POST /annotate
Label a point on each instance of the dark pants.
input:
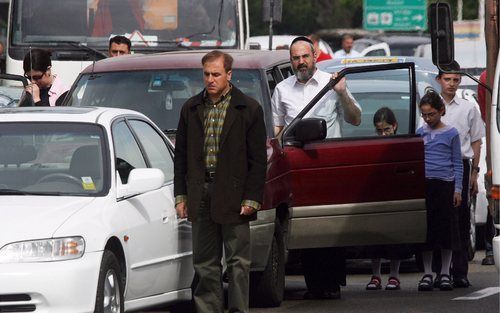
(460, 259)
(489, 233)
(209, 238)
(324, 268)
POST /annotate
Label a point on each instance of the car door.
(358, 188)
(176, 240)
(146, 246)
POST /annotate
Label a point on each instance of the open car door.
(12, 91)
(350, 186)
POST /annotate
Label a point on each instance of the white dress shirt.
(466, 118)
(340, 54)
(291, 97)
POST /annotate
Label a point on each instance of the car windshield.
(157, 94)
(51, 159)
(150, 24)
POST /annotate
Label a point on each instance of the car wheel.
(267, 288)
(471, 246)
(109, 298)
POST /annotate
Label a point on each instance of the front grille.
(17, 308)
(15, 297)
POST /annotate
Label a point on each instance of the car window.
(50, 157)
(155, 148)
(378, 52)
(372, 91)
(271, 81)
(158, 94)
(127, 152)
(286, 71)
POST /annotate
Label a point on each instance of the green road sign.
(395, 14)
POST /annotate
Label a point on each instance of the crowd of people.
(220, 209)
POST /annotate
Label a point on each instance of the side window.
(155, 148)
(384, 90)
(127, 152)
(286, 71)
(271, 81)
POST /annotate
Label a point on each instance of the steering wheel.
(60, 177)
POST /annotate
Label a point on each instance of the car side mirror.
(441, 29)
(309, 129)
(140, 180)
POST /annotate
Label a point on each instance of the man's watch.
(476, 168)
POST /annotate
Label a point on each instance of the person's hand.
(473, 183)
(457, 199)
(34, 91)
(247, 210)
(181, 210)
(340, 87)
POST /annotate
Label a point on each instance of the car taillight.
(495, 197)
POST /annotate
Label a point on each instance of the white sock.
(427, 259)
(395, 268)
(445, 261)
(376, 265)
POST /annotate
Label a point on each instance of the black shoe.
(426, 283)
(461, 282)
(488, 260)
(332, 295)
(322, 295)
(445, 282)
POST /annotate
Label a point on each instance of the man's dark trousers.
(209, 238)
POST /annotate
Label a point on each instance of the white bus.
(78, 31)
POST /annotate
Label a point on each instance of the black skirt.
(442, 216)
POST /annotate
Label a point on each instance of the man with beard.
(324, 268)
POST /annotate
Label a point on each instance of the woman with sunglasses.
(46, 88)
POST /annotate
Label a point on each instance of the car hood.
(35, 217)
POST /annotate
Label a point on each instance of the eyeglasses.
(428, 115)
(34, 77)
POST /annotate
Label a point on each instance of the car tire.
(267, 288)
(109, 298)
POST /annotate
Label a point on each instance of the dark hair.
(452, 67)
(38, 60)
(345, 36)
(120, 40)
(384, 114)
(216, 54)
(433, 99)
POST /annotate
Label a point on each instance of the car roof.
(421, 64)
(243, 59)
(97, 115)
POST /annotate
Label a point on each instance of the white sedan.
(88, 222)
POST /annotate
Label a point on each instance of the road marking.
(483, 293)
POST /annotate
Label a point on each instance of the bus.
(78, 31)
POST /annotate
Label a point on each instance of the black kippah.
(301, 38)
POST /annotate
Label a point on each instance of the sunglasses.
(36, 77)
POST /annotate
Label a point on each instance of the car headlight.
(43, 250)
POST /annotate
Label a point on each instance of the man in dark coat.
(220, 170)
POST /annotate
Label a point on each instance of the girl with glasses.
(443, 184)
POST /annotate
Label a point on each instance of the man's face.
(215, 77)
(302, 59)
(347, 44)
(118, 49)
(449, 83)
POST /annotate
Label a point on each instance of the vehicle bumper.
(55, 287)
(496, 251)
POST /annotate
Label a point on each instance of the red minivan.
(355, 190)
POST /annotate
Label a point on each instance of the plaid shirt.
(214, 116)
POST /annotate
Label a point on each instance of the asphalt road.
(482, 297)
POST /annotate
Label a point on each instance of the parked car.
(11, 90)
(387, 45)
(368, 94)
(357, 190)
(262, 43)
(88, 217)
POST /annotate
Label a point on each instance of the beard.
(303, 76)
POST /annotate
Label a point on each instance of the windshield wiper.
(75, 44)
(15, 192)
